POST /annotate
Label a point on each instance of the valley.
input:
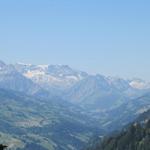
(55, 107)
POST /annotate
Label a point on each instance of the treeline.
(2, 147)
(135, 137)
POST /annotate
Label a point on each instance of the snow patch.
(139, 84)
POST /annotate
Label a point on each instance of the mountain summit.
(51, 76)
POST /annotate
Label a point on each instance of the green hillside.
(28, 123)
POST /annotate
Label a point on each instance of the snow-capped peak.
(139, 84)
(51, 75)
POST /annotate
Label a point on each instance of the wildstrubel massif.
(55, 107)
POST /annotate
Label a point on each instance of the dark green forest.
(134, 137)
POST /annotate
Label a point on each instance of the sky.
(110, 37)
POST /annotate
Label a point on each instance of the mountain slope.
(127, 112)
(30, 123)
(135, 137)
(95, 92)
(13, 80)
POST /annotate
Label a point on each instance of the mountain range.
(55, 107)
(75, 86)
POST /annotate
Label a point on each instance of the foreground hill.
(134, 137)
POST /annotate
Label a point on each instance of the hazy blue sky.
(110, 37)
